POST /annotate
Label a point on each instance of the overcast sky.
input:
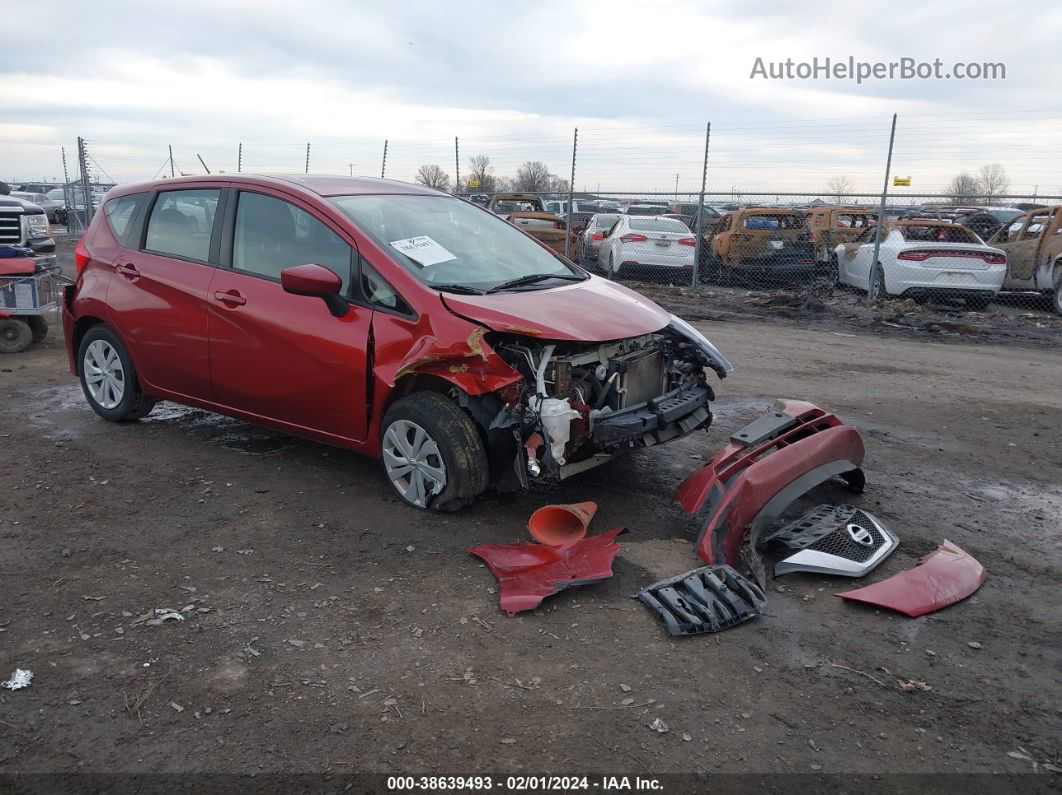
(512, 80)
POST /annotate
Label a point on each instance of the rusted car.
(542, 225)
(758, 243)
(1033, 243)
(832, 226)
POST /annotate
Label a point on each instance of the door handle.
(128, 271)
(231, 298)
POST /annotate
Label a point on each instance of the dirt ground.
(330, 629)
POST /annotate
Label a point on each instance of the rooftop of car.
(322, 185)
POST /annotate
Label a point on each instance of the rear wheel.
(15, 335)
(39, 326)
(877, 291)
(108, 378)
(432, 453)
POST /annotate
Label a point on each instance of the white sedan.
(646, 243)
(921, 259)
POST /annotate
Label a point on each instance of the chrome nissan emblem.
(860, 535)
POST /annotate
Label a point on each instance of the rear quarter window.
(121, 214)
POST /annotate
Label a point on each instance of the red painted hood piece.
(528, 573)
(746, 486)
(17, 266)
(943, 577)
(596, 310)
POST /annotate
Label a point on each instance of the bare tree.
(432, 176)
(480, 169)
(964, 187)
(504, 185)
(558, 185)
(533, 177)
(839, 187)
(993, 181)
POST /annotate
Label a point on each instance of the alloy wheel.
(104, 374)
(413, 462)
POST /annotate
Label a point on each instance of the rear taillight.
(81, 256)
(597, 236)
(631, 237)
(919, 255)
(687, 241)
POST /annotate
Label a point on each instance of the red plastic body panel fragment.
(747, 485)
(943, 577)
(528, 572)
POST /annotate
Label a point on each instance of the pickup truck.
(24, 224)
(1033, 243)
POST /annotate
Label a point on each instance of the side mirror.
(316, 281)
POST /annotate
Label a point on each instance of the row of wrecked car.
(956, 253)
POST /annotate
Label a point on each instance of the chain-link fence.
(665, 204)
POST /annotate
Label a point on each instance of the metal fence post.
(82, 160)
(700, 211)
(881, 211)
(171, 160)
(383, 165)
(239, 158)
(457, 169)
(571, 190)
(307, 157)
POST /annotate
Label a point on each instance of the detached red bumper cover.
(528, 573)
(943, 577)
(764, 468)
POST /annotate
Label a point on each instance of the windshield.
(446, 242)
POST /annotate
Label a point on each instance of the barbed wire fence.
(733, 205)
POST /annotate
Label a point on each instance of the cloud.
(638, 79)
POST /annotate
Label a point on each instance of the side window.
(379, 293)
(121, 213)
(1035, 227)
(181, 223)
(272, 234)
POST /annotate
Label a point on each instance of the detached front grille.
(842, 544)
(644, 378)
(10, 228)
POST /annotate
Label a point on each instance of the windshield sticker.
(423, 249)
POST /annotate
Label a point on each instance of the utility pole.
(457, 168)
(699, 227)
(171, 159)
(383, 165)
(307, 158)
(571, 189)
(351, 167)
(676, 187)
(874, 264)
(239, 158)
(68, 194)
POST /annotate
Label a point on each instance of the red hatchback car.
(378, 316)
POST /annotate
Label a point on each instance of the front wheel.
(108, 378)
(432, 453)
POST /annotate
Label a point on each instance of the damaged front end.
(580, 403)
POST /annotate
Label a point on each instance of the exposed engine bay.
(579, 403)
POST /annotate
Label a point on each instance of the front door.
(281, 357)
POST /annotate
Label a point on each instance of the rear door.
(157, 294)
(1022, 252)
(284, 358)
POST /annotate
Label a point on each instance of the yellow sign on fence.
(473, 182)
(900, 182)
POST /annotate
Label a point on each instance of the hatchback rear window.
(779, 221)
(657, 225)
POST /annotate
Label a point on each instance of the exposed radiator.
(644, 378)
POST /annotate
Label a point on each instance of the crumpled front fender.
(768, 464)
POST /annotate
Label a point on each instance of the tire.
(39, 326)
(978, 303)
(108, 378)
(1056, 295)
(446, 478)
(876, 290)
(15, 335)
